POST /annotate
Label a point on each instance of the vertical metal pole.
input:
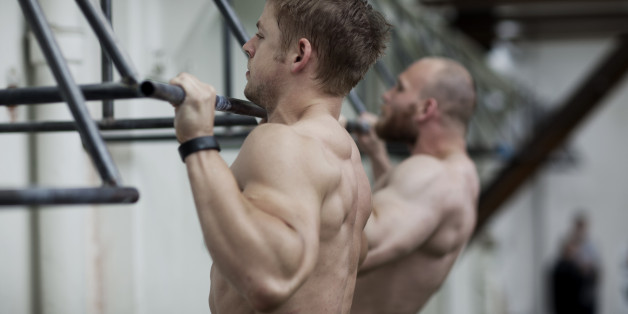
(71, 93)
(237, 29)
(107, 65)
(226, 55)
(356, 102)
(108, 40)
(385, 74)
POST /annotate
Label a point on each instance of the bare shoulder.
(328, 132)
(453, 179)
(417, 172)
(277, 151)
(269, 151)
(271, 137)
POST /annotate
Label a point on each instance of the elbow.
(268, 295)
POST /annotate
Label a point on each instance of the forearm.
(375, 240)
(395, 229)
(243, 241)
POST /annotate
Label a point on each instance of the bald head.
(449, 83)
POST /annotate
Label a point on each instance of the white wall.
(150, 257)
(15, 268)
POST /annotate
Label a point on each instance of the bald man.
(424, 209)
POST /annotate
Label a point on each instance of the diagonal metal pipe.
(100, 24)
(71, 93)
(554, 132)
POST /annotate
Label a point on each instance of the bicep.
(275, 182)
(400, 223)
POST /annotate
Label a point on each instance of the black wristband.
(196, 144)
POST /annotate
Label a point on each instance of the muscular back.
(424, 213)
(327, 206)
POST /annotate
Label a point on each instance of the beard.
(397, 128)
(262, 93)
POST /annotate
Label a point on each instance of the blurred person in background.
(424, 208)
(575, 275)
(566, 281)
(588, 260)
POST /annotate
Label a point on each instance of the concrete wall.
(15, 254)
(150, 257)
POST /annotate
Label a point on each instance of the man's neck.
(439, 142)
(302, 104)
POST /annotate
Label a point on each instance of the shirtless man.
(424, 209)
(284, 224)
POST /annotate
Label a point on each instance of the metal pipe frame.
(237, 29)
(226, 55)
(106, 64)
(357, 103)
(553, 132)
(385, 74)
(71, 93)
(109, 91)
(99, 23)
(124, 138)
(357, 126)
(113, 125)
(52, 94)
(176, 95)
(77, 196)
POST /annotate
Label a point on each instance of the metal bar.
(226, 55)
(125, 138)
(554, 132)
(356, 102)
(44, 196)
(237, 29)
(175, 95)
(106, 64)
(52, 94)
(171, 93)
(385, 74)
(108, 41)
(118, 124)
(357, 126)
(71, 93)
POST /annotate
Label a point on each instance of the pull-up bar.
(43, 196)
(119, 124)
(109, 91)
(176, 95)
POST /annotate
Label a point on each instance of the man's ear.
(427, 109)
(302, 56)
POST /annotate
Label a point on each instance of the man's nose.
(248, 49)
(386, 96)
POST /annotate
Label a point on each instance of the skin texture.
(424, 209)
(284, 223)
